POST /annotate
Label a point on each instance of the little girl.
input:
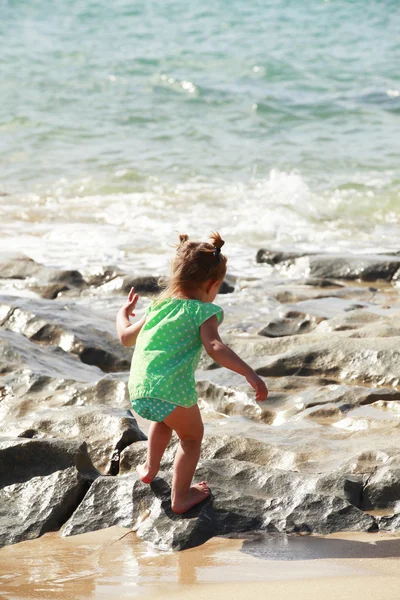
(169, 341)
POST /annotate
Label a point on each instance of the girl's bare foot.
(145, 474)
(197, 493)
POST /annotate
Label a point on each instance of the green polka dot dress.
(166, 355)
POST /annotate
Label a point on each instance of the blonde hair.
(193, 264)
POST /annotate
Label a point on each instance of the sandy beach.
(101, 565)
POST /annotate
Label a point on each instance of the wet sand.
(106, 565)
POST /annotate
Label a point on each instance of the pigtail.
(183, 238)
(216, 240)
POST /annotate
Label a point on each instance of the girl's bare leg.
(187, 423)
(159, 438)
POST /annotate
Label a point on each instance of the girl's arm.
(128, 332)
(228, 358)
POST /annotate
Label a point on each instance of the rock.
(389, 523)
(219, 447)
(349, 320)
(143, 285)
(24, 392)
(41, 484)
(99, 276)
(226, 288)
(234, 508)
(372, 361)
(46, 322)
(338, 266)
(290, 322)
(19, 266)
(56, 497)
(19, 356)
(70, 277)
(110, 501)
(383, 488)
(275, 257)
(364, 267)
(104, 430)
(328, 414)
(229, 401)
(225, 513)
(50, 292)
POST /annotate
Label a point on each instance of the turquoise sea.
(276, 122)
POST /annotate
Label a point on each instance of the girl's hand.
(259, 386)
(130, 304)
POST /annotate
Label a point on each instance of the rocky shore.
(321, 455)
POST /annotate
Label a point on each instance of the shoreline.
(110, 564)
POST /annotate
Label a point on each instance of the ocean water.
(277, 123)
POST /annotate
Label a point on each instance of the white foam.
(139, 229)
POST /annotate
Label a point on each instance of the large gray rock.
(363, 267)
(49, 323)
(110, 501)
(19, 266)
(104, 430)
(24, 392)
(373, 361)
(338, 266)
(41, 484)
(19, 357)
(248, 501)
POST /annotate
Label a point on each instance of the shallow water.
(272, 123)
(102, 565)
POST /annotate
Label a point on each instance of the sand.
(102, 565)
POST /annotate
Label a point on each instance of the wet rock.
(349, 320)
(238, 504)
(373, 361)
(17, 351)
(290, 322)
(274, 257)
(327, 307)
(24, 392)
(142, 285)
(56, 497)
(110, 501)
(322, 283)
(219, 447)
(19, 266)
(68, 327)
(103, 429)
(41, 484)
(391, 523)
(328, 414)
(228, 401)
(226, 287)
(287, 456)
(50, 292)
(338, 266)
(99, 276)
(70, 277)
(364, 267)
(383, 488)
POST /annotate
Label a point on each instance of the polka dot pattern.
(167, 352)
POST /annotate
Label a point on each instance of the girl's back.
(168, 350)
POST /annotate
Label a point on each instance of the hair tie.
(217, 251)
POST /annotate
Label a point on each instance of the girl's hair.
(194, 263)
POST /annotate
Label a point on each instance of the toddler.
(169, 340)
